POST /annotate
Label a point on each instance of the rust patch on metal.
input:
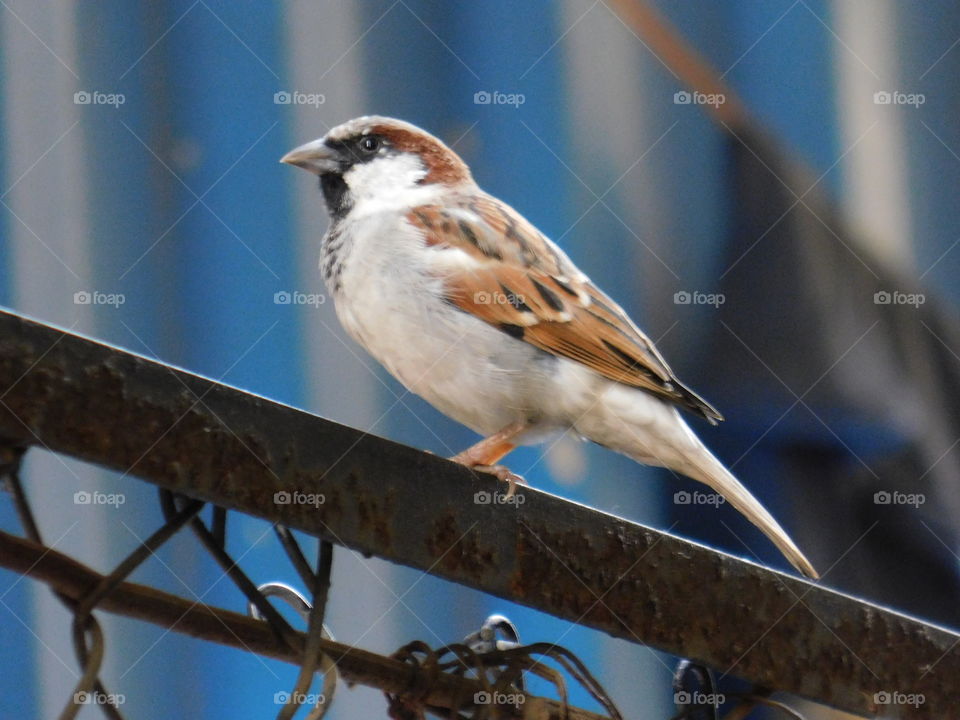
(459, 554)
(374, 513)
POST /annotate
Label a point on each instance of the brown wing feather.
(525, 286)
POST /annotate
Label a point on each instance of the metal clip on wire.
(302, 607)
(485, 639)
(695, 692)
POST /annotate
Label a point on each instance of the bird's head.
(374, 157)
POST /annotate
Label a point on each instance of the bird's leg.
(484, 455)
(490, 449)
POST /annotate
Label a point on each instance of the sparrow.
(471, 307)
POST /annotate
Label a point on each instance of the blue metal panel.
(6, 279)
(17, 681)
(787, 78)
(126, 214)
(233, 248)
(199, 277)
(235, 252)
(184, 285)
(124, 210)
(930, 64)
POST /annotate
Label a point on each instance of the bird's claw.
(503, 474)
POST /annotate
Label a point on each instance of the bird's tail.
(707, 469)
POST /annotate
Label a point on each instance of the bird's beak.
(316, 157)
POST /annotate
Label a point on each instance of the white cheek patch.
(387, 180)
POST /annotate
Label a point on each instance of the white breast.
(390, 299)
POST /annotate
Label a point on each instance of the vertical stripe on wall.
(49, 260)
(235, 252)
(929, 63)
(875, 189)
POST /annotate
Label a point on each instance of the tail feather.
(651, 431)
(707, 469)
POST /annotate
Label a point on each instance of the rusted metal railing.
(208, 441)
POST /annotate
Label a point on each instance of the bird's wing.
(498, 267)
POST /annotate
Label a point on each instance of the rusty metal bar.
(213, 442)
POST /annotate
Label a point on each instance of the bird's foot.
(484, 455)
(503, 474)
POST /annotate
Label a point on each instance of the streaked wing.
(504, 271)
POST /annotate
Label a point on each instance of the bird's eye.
(370, 144)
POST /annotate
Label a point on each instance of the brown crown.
(443, 164)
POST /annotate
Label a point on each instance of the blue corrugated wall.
(190, 217)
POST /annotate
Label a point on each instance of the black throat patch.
(336, 195)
